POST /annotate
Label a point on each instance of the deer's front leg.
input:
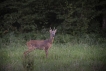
(46, 51)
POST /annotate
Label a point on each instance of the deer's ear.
(55, 30)
(50, 30)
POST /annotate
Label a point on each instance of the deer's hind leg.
(28, 51)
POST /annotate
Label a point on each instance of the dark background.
(68, 16)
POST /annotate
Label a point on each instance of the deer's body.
(41, 44)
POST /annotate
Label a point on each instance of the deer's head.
(52, 32)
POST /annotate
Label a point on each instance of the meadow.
(68, 53)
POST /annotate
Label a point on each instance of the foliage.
(74, 17)
(75, 55)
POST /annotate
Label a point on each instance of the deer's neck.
(51, 39)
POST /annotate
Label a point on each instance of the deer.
(41, 44)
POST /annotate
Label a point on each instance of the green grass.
(86, 53)
(62, 57)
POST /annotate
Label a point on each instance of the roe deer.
(41, 44)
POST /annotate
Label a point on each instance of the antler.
(54, 28)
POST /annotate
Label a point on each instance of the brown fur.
(41, 44)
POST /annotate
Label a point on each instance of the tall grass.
(68, 53)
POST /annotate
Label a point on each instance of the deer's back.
(39, 44)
